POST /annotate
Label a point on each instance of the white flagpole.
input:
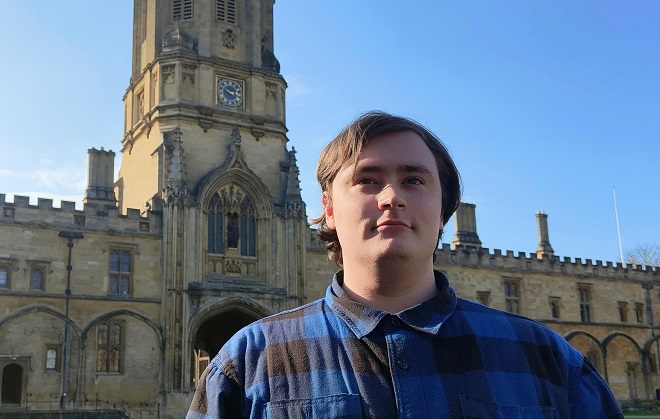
(618, 231)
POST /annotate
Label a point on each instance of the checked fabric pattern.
(445, 358)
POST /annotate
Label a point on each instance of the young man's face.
(390, 206)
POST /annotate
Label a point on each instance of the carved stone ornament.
(232, 198)
(9, 212)
(271, 90)
(229, 39)
(205, 125)
(168, 73)
(233, 266)
(188, 71)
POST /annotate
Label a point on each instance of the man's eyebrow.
(404, 168)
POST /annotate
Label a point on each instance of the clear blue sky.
(543, 105)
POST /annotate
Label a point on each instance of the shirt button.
(403, 364)
(395, 322)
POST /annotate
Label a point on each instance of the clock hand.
(230, 92)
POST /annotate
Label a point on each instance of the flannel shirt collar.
(426, 317)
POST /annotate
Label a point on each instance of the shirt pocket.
(339, 406)
(474, 408)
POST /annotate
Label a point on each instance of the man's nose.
(390, 198)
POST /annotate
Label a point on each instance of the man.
(390, 338)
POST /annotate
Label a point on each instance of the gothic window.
(555, 305)
(247, 228)
(623, 311)
(231, 223)
(109, 347)
(483, 297)
(182, 9)
(584, 296)
(37, 279)
(225, 11)
(232, 231)
(639, 312)
(512, 295)
(120, 272)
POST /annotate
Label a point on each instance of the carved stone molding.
(232, 266)
(169, 71)
(188, 72)
(271, 90)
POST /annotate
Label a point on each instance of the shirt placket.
(404, 370)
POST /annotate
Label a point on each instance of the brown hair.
(346, 147)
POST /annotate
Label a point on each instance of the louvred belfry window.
(225, 11)
(182, 9)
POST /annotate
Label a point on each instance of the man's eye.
(414, 181)
(366, 181)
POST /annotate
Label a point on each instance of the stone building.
(121, 305)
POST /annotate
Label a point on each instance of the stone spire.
(466, 226)
(293, 184)
(293, 205)
(544, 247)
(100, 178)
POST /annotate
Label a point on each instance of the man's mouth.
(391, 223)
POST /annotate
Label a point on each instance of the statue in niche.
(232, 232)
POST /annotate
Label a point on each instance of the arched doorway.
(213, 334)
(12, 384)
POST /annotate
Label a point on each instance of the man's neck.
(390, 287)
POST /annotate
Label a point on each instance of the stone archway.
(213, 333)
(12, 385)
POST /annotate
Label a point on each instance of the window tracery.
(231, 222)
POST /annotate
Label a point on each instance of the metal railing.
(47, 405)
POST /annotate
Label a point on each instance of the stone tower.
(205, 146)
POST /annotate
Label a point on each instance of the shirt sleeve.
(592, 398)
(217, 396)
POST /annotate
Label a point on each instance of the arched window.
(231, 223)
(120, 272)
(109, 345)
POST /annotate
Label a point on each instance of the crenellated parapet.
(530, 263)
(92, 217)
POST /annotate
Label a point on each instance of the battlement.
(496, 259)
(92, 217)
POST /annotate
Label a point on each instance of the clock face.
(230, 92)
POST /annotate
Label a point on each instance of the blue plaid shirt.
(445, 358)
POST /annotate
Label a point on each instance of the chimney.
(544, 247)
(100, 178)
(466, 226)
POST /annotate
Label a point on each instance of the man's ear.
(328, 210)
